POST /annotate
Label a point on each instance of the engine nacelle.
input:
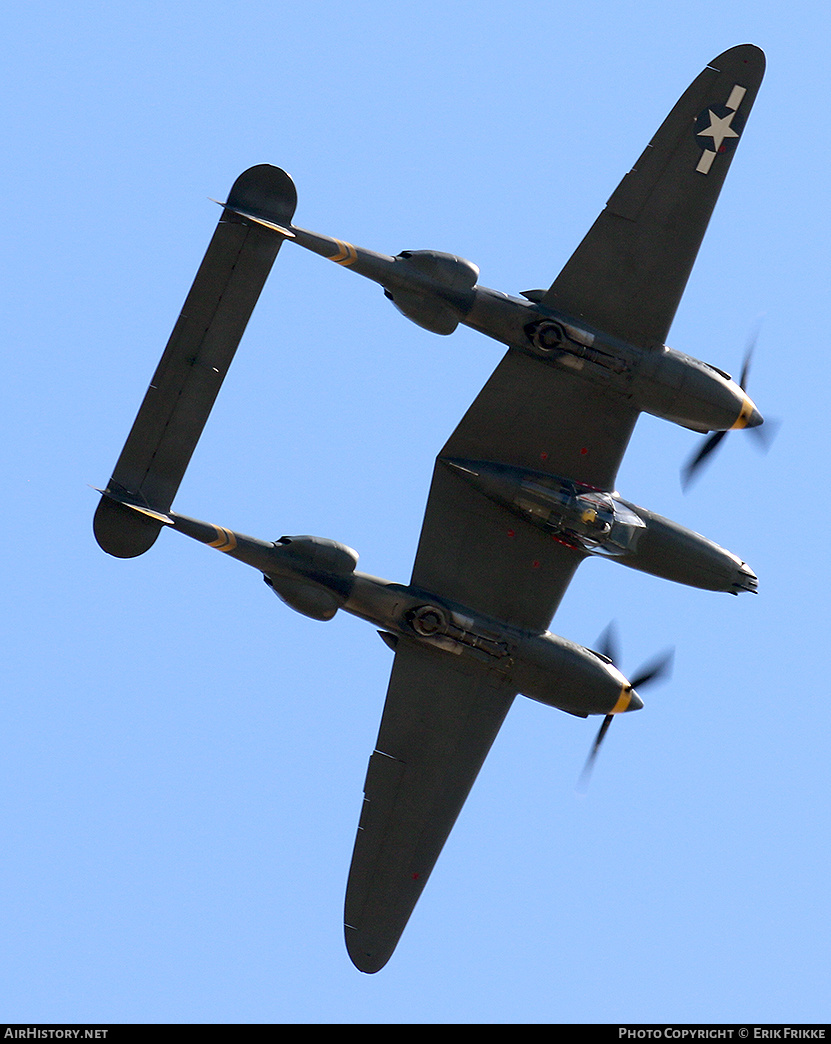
(318, 571)
(559, 673)
(435, 276)
(425, 310)
(692, 393)
(319, 555)
(306, 597)
(448, 270)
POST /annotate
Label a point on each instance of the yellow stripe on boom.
(347, 255)
(225, 539)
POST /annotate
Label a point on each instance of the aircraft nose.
(755, 419)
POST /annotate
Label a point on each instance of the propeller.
(654, 670)
(763, 433)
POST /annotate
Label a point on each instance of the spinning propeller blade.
(585, 775)
(656, 669)
(691, 467)
(608, 644)
(660, 667)
(764, 433)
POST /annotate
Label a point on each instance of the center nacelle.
(595, 522)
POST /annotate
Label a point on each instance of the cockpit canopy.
(589, 519)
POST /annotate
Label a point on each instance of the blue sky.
(182, 755)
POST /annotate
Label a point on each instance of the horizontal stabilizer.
(128, 502)
(195, 361)
(286, 233)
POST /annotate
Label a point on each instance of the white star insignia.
(719, 129)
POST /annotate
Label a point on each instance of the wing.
(440, 718)
(195, 361)
(443, 712)
(628, 274)
(531, 416)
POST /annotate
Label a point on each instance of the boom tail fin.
(197, 357)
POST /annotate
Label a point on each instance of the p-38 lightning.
(522, 492)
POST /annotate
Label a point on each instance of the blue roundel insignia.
(718, 128)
